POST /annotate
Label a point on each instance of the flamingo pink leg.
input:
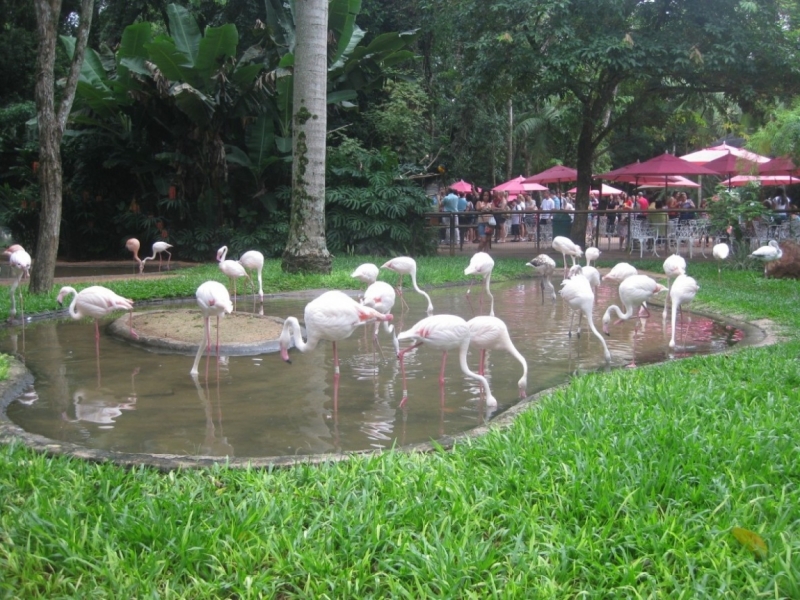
(400, 356)
(483, 362)
(441, 372)
(209, 334)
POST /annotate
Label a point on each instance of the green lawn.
(621, 485)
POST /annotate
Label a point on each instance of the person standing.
(548, 204)
(530, 218)
(500, 206)
(485, 232)
(450, 205)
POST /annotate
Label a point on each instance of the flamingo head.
(220, 253)
(522, 384)
(661, 288)
(606, 322)
(63, 292)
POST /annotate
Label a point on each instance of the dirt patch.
(186, 325)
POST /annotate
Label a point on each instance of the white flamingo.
(333, 316)
(769, 253)
(590, 273)
(233, 269)
(720, 252)
(491, 333)
(158, 248)
(674, 265)
(132, 246)
(565, 246)
(253, 260)
(683, 291)
(20, 262)
(96, 302)
(544, 267)
(482, 264)
(634, 292)
(214, 301)
(366, 273)
(442, 332)
(578, 294)
(381, 296)
(592, 254)
(620, 272)
(405, 265)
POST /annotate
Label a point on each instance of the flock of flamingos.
(334, 316)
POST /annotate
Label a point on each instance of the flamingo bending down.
(768, 253)
(591, 274)
(232, 269)
(567, 246)
(133, 245)
(620, 272)
(366, 273)
(545, 267)
(96, 302)
(482, 264)
(683, 291)
(442, 332)
(253, 260)
(158, 248)
(592, 254)
(490, 333)
(381, 296)
(405, 265)
(20, 262)
(720, 252)
(214, 300)
(674, 265)
(577, 292)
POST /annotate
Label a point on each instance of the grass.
(622, 484)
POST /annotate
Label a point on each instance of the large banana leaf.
(260, 139)
(184, 31)
(217, 43)
(132, 52)
(92, 71)
(342, 22)
(193, 102)
(173, 64)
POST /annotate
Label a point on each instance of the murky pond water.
(132, 400)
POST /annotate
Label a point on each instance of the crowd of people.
(498, 215)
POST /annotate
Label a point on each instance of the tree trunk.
(510, 161)
(51, 130)
(583, 165)
(306, 249)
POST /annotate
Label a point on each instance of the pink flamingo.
(620, 272)
(20, 262)
(491, 333)
(634, 292)
(381, 296)
(253, 260)
(565, 246)
(683, 291)
(674, 265)
(366, 273)
(133, 245)
(232, 269)
(405, 265)
(442, 332)
(578, 293)
(545, 267)
(158, 248)
(96, 302)
(214, 301)
(482, 264)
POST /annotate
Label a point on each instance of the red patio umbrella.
(779, 166)
(461, 186)
(764, 180)
(706, 155)
(517, 186)
(729, 165)
(606, 190)
(660, 166)
(672, 181)
(555, 174)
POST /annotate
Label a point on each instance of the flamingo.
(405, 265)
(491, 333)
(133, 245)
(683, 291)
(442, 332)
(214, 301)
(768, 253)
(566, 246)
(591, 274)
(20, 262)
(158, 248)
(544, 266)
(366, 273)
(381, 296)
(253, 260)
(232, 269)
(577, 292)
(592, 254)
(620, 272)
(720, 252)
(482, 264)
(674, 265)
(634, 292)
(96, 302)
(333, 316)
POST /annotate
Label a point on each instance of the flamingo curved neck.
(462, 361)
(606, 352)
(293, 325)
(486, 281)
(620, 315)
(224, 251)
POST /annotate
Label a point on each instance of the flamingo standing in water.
(20, 262)
(634, 292)
(491, 333)
(674, 265)
(232, 269)
(544, 267)
(683, 291)
(366, 273)
(620, 272)
(333, 316)
(567, 246)
(720, 252)
(96, 302)
(592, 254)
(158, 248)
(133, 245)
(253, 260)
(591, 274)
(579, 296)
(442, 332)
(214, 301)
(482, 264)
(381, 296)
(768, 253)
(405, 265)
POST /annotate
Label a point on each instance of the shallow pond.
(132, 400)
